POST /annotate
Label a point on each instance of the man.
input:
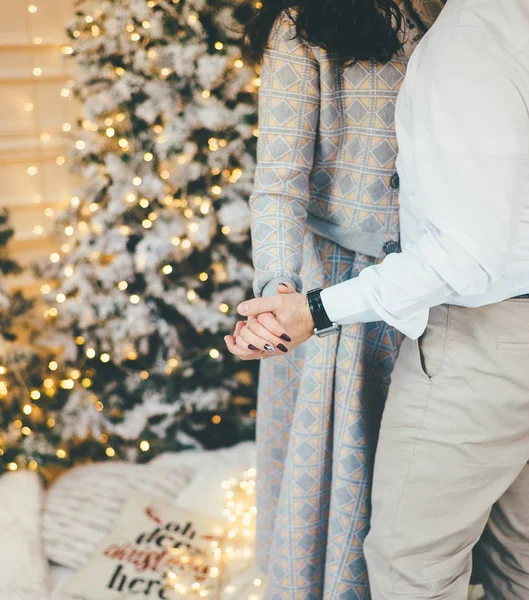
(454, 442)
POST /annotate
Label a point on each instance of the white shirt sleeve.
(463, 179)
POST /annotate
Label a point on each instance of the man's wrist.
(323, 326)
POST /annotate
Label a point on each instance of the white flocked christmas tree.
(155, 246)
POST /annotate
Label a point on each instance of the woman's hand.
(285, 316)
(264, 336)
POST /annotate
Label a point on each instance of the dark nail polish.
(251, 347)
(286, 337)
(269, 348)
(282, 348)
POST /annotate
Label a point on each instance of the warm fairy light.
(69, 230)
(216, 190)
(146, 24)
(45, 138)
(186, 244)
(191, 295)
(165, 72)
(120, 71)
(123, 143)
(89, 19)
(132, 355)
(37, 41)
(135, 37)
(61, 453)
(48, 212)
(28, 106)
(144, 375)
(32, 171)
(66, 127)
(60, 298)
(224, 308)
(105, 357)
(188, 213)
(67, 50)
(192, 19)
(148, 156)
(38, 230)
(123, 285)
(52, 366)
(206, 94)
(134, 299)
(33, 464)
(28, 409)
(257, 582)
(37, 71)
(67, 384)
(110, 132)
(76, 33)
(193, 227)
(50, 422)
(219, 45)
(75, 374)
(203, 276)
(175, 241)
(225, 230)
(95, 30)
(238, 64)
(80, 144)
(48, 383)
(137, 181)
(164, 174)
(130, 197)
(110, 452)
(12, 466)
(90, 352)
(68, 271)
(216, 420)
(214, 353)
(256, 132)
(144, 446)
(3, 370)
(60, 160)
(146, 223)
(144, 203)
(32, 9)
(79, 340)
(75, 201)
(167, 270)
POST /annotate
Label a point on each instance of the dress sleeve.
(289, 106)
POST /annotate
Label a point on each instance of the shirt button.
(395, 181)
(391, 247)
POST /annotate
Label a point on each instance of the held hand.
(286, 315)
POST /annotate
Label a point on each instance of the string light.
(214, 353)
(134, 299)
(32, 9)
(144, 446)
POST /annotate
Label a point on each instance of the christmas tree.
(32, 392)
(155, 255)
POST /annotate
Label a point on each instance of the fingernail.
(251, 347)
(286, 337)
(244, 308)
(269, 348)
(282, 348)
(283, 284)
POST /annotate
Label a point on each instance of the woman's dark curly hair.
(349, 30)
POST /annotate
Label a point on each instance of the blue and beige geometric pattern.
(318, 418)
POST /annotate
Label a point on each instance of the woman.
(324, 208)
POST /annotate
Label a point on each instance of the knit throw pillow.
(150, 539)
(82, 507)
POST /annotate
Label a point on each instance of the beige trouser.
(454, 444)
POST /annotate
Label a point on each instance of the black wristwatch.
(323, 326)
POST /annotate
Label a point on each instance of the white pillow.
(83, 505)
(23, 568)
(131, 562)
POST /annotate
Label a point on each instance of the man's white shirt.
(462, 122)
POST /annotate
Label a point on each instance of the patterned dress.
(324, 208)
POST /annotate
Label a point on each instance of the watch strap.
(317, 309)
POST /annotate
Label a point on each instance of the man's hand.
(265, 334)
(283, 317)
